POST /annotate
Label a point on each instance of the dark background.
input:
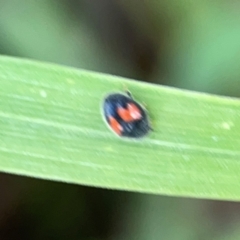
(187, 44)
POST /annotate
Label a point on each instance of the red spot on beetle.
(130, 114)
(116, 127)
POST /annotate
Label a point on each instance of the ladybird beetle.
(124, 116)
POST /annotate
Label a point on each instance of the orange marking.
(134, 111)
(130, 114)
(116, 127)
(124, 114)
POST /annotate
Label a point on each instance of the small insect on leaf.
(125, 116)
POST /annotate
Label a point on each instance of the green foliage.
(52, 128)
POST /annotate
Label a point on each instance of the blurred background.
(186, 44)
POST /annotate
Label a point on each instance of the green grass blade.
(51, 128)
